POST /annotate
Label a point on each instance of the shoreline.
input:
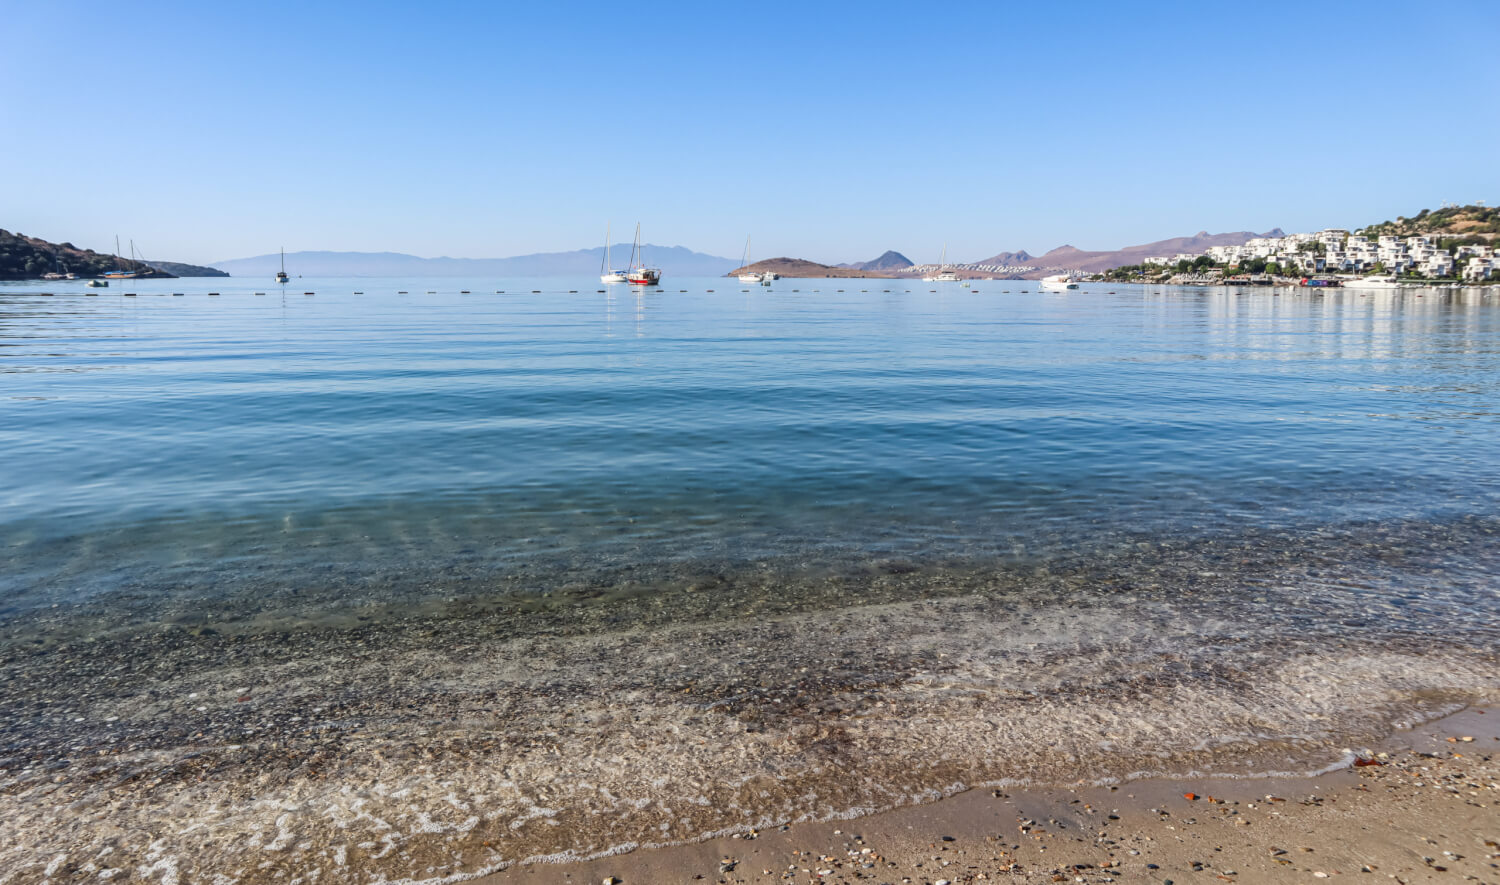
(1429, 810)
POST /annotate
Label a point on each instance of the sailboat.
(120, 273)
(944, 275)
(608, 274)
(752, 276)
(281, 276)
(640, 274)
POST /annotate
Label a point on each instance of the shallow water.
(411, 585)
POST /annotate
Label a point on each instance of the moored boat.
(1374, 282)
(944, 274)
(1058, 282)
(751, 276)
(281, 276)
(639, 274)
(608, 274)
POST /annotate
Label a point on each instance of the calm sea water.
(1028, 492)
(154, 436)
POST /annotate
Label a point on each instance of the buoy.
(176, 294)
(260, 293)
(463, 291)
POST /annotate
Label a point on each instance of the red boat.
(640, 274)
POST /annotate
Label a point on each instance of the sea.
(379, 580)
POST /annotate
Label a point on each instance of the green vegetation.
(1131, 273)
(27, 258)
(1481, 223)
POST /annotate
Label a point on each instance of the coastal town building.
(1338, 251)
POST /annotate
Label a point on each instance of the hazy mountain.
(1012, 258)
(675, 261)
(890, 261)
(178, 269)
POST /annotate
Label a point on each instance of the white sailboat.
(281, 276)
(608, 274)
(640, 274)
(944, 275)
(752, 276)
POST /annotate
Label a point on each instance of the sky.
(209, 131)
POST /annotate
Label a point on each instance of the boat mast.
(283, 259)
(635, 246)
(745, 259)
(604, 265)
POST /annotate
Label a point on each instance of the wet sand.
(1429, 812)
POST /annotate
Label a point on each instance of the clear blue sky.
(830, 131)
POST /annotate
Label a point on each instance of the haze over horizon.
(466, 130)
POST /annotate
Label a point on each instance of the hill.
(1072, 258)
(1011, 258)
(27, 258)
(178, 269)
(1479, 222)
(800, 267)
(889, 261)
(675, 261)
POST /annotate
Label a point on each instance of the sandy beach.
(1427, 812)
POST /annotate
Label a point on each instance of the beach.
(364, 586)
(1423, 807)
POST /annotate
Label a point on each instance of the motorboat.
(1060, 282)
(1375, 282)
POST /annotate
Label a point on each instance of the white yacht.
(281, 276)
(1376, 282)
(943, 275)
(1058, 282)
(752, 276)
(608, 274)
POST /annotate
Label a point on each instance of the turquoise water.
(152, 436)
(415, 515)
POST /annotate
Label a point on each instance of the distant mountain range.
(675, 261)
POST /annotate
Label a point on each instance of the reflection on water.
(388, 584)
